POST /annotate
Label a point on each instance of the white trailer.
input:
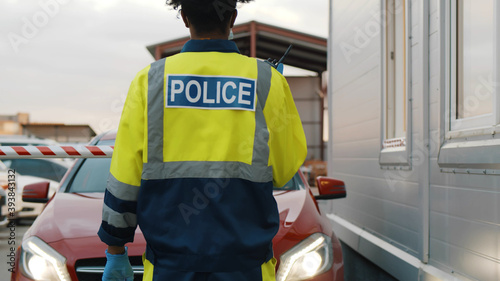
(414, 119)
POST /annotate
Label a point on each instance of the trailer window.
(473, 56)
(395, 70)
(475, 50)
(395, 121)
(471, 78)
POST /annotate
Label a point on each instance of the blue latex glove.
(118, 268)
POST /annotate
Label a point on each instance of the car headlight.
(40, 262)
(311, 257)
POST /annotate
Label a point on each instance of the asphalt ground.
(11, 237)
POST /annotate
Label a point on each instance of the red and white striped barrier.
(79, 151)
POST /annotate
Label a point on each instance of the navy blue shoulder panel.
(207, 224)
(217, 45)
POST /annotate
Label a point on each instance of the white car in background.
(3, 194)
(28, 171)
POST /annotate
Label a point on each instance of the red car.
(62, 244)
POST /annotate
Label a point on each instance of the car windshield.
(93, 173)
(295, 183)
(41, 168)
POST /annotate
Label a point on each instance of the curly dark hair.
(207, 15)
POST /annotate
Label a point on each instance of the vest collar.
(217, 45)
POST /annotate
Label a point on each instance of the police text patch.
(210, 92)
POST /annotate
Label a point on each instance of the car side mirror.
(330, 188)
(36, 192)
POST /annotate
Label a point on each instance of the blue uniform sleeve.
(119, 219)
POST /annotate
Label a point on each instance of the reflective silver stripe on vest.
(259, 171)
(261, 138)
(206, 169)
(122, 190)
(156, 81)
(118, 220)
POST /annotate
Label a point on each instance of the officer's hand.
(118, 268)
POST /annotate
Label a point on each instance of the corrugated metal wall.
(465, 208)
(305, 91)
(389, 211)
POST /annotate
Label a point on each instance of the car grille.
(92, 269)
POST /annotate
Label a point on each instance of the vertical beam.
(383, 69)
(329, 65)
(443, 70)
(496, 67)
(253, 39)
(157, 53)
(322, 118)
(425, 170)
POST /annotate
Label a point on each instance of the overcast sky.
(72, 61)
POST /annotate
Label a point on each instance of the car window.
(295, 183)
(92, 176)
(37, 168)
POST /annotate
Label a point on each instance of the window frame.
(398, 156)
(476, 125)
(471, 148)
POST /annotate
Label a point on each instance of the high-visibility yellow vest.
(204, 135)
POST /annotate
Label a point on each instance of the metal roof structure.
(60, 132)
(264, 41)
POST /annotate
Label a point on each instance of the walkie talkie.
(279, 64)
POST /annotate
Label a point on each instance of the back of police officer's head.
(208, 17)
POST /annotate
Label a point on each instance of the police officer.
(203, 137)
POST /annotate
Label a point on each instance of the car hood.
(290, 207)
(74, 215)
